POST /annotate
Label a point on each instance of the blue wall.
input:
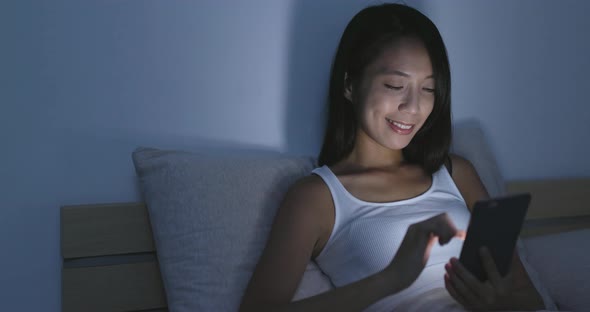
(521, 69)
(82, 83)
(85, 82)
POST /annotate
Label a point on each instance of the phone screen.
(496, 224)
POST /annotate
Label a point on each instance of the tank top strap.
(446, 182)
(343, 205)
(338, 190)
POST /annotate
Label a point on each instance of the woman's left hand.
(468, 290)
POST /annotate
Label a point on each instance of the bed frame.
(110, 263)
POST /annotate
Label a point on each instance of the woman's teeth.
(402, 126)
(397, 124)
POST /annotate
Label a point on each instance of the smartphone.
(496, 224)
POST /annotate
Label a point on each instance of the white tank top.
(367, 235)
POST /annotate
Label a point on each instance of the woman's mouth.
(400, 127)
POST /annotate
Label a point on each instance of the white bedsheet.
(434, 300)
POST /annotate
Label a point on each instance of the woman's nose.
(411, 102)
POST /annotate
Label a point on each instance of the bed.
(110, 260)
(194, 240)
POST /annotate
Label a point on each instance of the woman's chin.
(397, 146)
(399, 143)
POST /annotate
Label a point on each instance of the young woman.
(387, 189)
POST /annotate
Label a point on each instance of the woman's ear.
(347, 87)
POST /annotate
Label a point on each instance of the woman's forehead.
(405, 58)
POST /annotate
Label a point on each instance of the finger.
(453, 292)
(431, 242)
(484, 291)
(514, 265)
(458, 267)
(461, 234)
(460, 287)
(446, 228)
(441, 226)
(416, 245)
(491, 269)
(418, 237)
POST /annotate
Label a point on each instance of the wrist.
(392, 280)
(523, 300)
(528, 300)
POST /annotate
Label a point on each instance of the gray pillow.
(470, 143)
(211, 217)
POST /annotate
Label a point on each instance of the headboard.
(110, 264)
(109, 259)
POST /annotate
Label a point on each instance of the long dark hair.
(367, 34)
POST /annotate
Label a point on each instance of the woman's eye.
(388, 86)
(429, 90)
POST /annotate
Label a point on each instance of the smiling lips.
(400, 127)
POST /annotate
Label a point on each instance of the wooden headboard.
(110, 264)
(109, 259)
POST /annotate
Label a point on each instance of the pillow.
(470, 143)
(210, 217)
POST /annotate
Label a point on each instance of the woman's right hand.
(414, 251)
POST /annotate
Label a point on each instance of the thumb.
(441, 226)
(433, 238)
(460, 234)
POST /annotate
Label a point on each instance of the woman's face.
(396, 94)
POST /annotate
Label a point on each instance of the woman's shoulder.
(467, 180)
(463, 170)
(311, 187)
(460, 164)
(310, 197)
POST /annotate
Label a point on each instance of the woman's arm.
(298, 226)
(522, 293)
(468, 181)
(300, 222)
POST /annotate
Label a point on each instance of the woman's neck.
(369, 154)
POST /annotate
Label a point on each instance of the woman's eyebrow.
(389, 71)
